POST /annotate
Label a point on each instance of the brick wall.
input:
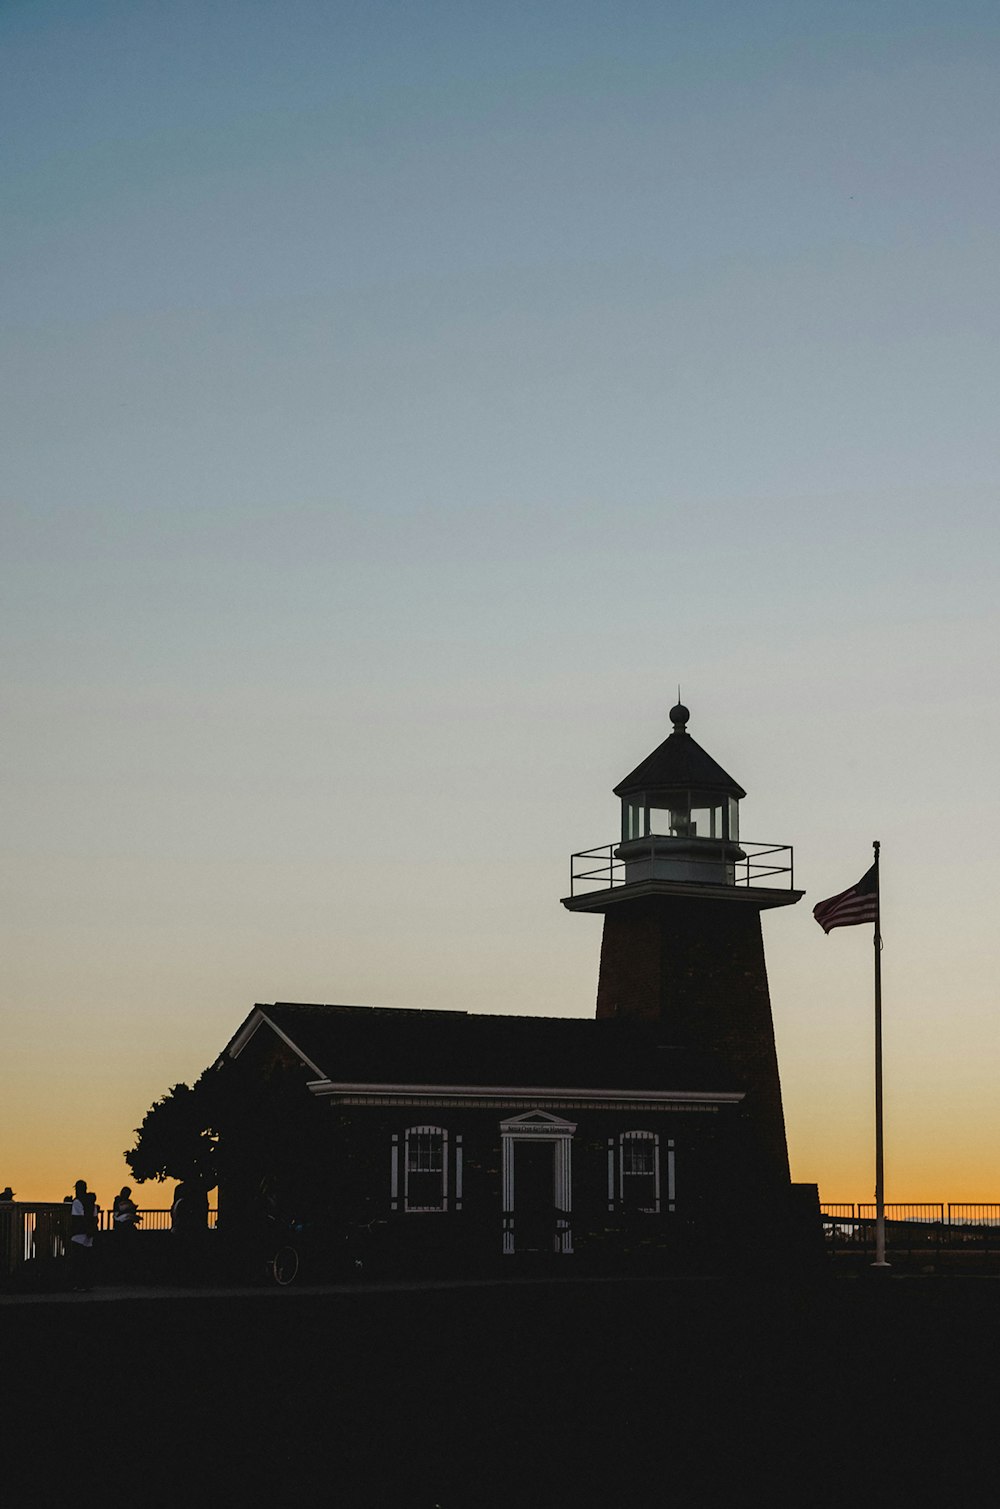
(697, 966)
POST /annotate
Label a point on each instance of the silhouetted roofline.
(679, 762)
(400, 1046)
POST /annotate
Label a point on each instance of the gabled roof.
(679, 762)
(392, 1045)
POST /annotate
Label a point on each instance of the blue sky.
(397, 402)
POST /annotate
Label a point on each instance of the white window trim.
(638, 1135)
(424, 1131)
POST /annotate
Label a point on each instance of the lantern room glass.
(680, 814)
(633, 817)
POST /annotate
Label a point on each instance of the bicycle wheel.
(284, 1266)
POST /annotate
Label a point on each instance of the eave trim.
(258, 1018)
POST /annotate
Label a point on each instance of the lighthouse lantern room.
(680, 814)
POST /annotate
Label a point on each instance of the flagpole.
(880, 1261)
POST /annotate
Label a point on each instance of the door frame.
(539, 1126)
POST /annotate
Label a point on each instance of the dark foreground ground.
(846, 1392)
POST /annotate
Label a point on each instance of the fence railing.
(41, 1230)
(952, 1226)
(153, 1220)
(28, 1231)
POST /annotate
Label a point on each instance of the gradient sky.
(399, 400)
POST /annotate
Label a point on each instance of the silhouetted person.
(125, 1219)
(6, 1196)
(83, 1229)
(189, 1225)
(125, 1213)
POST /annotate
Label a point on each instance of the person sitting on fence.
(125, 1212)
(6, 1196)
(124, 1224)
(83, 1229)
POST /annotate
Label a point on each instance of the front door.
(537, 1182)
(535, 1196)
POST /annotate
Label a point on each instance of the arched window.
(639, 1171)
(425, 1168)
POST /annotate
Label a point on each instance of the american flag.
(859, 904)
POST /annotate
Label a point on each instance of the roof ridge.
(439, 1011)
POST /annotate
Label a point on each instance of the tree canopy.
(178, 1136)
(260, 1134)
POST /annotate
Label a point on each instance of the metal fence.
(926, 1227)
(42, 1229)
(921, 1231)
(154, 1220)
(28, 1231)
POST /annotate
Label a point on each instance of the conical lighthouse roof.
(679, 762)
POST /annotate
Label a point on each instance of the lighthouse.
(682, 895)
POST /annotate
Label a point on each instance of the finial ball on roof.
(679, 716)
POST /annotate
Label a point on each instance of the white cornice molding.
(516, 1094)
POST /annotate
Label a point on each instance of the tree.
(179, 1134)
(259, 1134)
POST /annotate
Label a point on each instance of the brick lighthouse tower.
(683, 952)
